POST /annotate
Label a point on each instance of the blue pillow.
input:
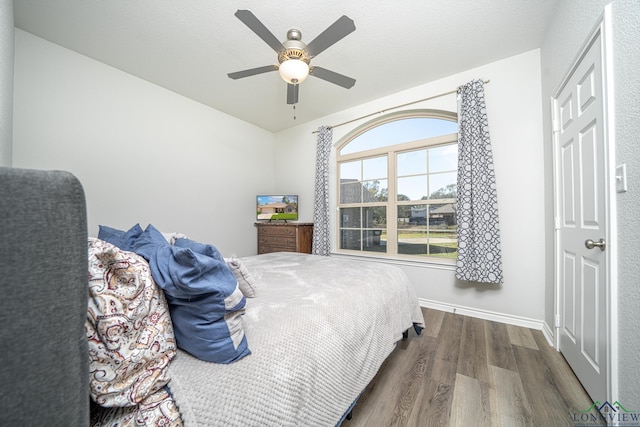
(204, 299)
(119, 238)
(200, 248)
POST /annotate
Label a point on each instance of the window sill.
(430, 263)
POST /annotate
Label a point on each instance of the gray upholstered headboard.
(44, 363)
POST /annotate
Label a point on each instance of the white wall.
(514, 112)
(572, 24)
(143, 154)
(6, 81)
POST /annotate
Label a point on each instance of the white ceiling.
(189, 46)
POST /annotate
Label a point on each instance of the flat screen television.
(270, 207)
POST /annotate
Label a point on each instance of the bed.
(300, 336)
(319, 330)
(304, 334)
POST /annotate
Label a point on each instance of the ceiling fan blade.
(336, 31)
(258, 27)
(292, 94)
(332, 77)
(252, 72)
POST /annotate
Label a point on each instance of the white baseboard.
(487, 315)
(548, 333)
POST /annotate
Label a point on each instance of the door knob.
(590, 244)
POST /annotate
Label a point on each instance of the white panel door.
(581, 221)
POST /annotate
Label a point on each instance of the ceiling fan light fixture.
(294, 71)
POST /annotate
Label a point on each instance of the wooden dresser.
(284, 237)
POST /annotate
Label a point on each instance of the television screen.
(277, 207)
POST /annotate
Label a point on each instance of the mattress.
(318, 331)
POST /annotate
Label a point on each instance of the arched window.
(397, 187)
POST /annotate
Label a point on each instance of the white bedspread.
(318, 331)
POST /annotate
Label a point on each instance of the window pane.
(443, 215)
(418, 214)
(351, 170)
(400, 131)
(412, 188)
(412, 163)
(443, 231)
(412, 216)
(443, 185)
(443, 242)
(375, 168)
(373, 241)
(374, 217)
(350, 217)
(350, 239)
(430, 230)
(375, 191)
(350, 192)
(413, 242)
(404, 213)
(444, 158)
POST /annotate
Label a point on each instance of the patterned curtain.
(321, 233)
(479, 253)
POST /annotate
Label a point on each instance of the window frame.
(391, 205)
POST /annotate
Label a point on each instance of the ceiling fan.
(294, 56)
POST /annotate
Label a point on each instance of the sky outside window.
(411, 129)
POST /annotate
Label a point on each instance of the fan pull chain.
(294, 111)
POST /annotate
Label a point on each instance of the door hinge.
(557, 325)
(556, 126)
(556, 223)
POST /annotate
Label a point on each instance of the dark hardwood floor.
(464, 371)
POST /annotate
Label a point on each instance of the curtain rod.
(397, 106)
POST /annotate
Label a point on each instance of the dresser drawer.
(266, 249)
(284, 237)
(276, 231)
(276, 240)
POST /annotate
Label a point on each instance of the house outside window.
(397, 188)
